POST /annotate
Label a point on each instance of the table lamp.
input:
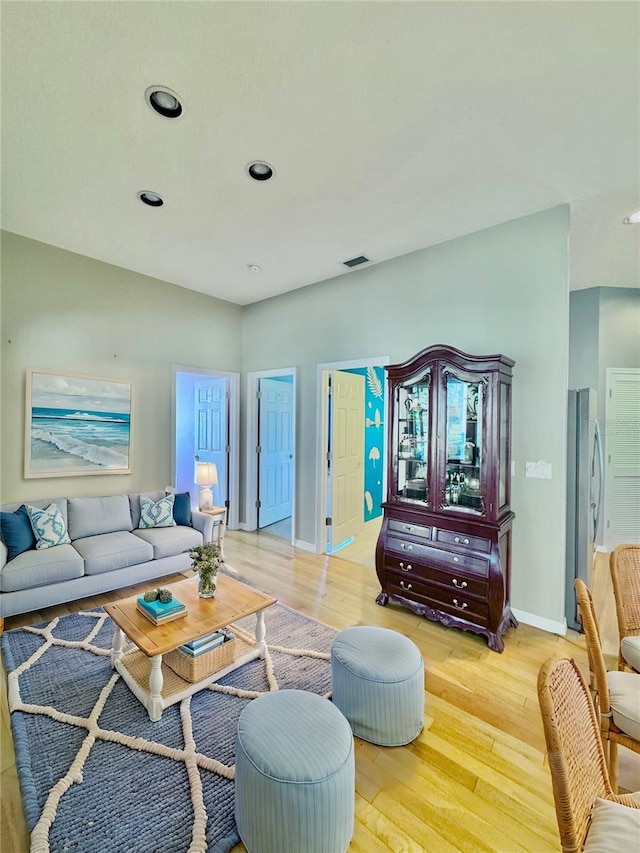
(207, 476)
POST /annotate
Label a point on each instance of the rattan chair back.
(611, 734)
(624, 564)
(575, 752)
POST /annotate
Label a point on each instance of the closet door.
(622, 458)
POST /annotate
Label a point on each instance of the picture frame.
(76, 425)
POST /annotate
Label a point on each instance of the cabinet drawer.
(451, 560)
(439, 598)
(420, 573)
(460, 540)
(406, 527)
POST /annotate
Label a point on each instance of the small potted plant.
(206, 562)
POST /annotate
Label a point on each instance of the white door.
(275, 460)
(346, 455)
(211, 438)
(622, 458)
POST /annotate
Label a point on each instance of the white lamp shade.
(207, 474)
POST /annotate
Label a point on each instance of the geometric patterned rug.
(97, 775)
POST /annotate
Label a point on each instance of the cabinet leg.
(496, 643)
(382, 599)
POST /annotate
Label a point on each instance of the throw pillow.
(182, 508)
(156, 513)
(48, 526)
(16, 531)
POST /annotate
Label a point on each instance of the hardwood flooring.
(476, 779)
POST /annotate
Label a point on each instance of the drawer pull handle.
(462, 585)
(456, 559)
(407, 526)
(459, 541)
(408, 586)
(462, 606)
(406, 568)
(406, 547)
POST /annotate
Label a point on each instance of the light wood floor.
(475, 779)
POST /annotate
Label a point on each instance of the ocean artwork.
(77, 425)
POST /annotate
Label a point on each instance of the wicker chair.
(576, 755)
(624, 564)
(616, 694)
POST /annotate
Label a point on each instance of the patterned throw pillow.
(158, 514)
(48, 526)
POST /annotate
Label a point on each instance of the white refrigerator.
(585, 492)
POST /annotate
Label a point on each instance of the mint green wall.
(62, 311)
(500, 290)
(604, 332)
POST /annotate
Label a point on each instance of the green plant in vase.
(206, 562)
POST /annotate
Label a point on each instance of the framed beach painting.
(76, 425)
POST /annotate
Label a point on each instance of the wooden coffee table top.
(232, 601)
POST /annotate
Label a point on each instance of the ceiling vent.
(355, 262)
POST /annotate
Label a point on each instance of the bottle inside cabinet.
(448, 499)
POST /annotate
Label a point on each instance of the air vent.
(355, 262)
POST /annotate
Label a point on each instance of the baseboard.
(304, 546)
(548, 625)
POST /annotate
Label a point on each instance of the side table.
(219, 514)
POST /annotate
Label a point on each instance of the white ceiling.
(391, 126)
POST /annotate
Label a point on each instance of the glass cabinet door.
(412, 439)
(465, 405)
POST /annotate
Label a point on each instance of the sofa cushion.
(110, 551)
(38, 568)
(134, 505)
(49, 526)
(16, 531)
(169, 541)
(156, 513)
(613, 827)
(92, 516)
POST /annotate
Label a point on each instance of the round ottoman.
(295, 775)
(378, 683)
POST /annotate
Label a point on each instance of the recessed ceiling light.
(254, 267)
(633, 219)
(260, 171)
(163, 101)
(152, 199)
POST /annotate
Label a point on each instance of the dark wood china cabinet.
(444, 549)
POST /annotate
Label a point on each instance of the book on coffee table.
(160, 612)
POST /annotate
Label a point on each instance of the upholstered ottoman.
(295, 775)
(378, 684)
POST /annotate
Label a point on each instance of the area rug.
(97, 775)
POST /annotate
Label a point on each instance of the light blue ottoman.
(377, 679)
(295, 775)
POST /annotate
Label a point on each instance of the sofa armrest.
(204, 523)
(3, 554)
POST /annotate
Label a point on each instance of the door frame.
(251, 457)
(234, 431)
(322, 433)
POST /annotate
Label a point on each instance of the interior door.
(622, 458)
(275, 460)
(211, 440)
(346, 451)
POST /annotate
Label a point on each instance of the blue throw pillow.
(182, 509)
(16, 531)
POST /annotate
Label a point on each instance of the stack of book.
(195, 648)
(160, 612)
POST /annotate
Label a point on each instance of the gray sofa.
(107, 551)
